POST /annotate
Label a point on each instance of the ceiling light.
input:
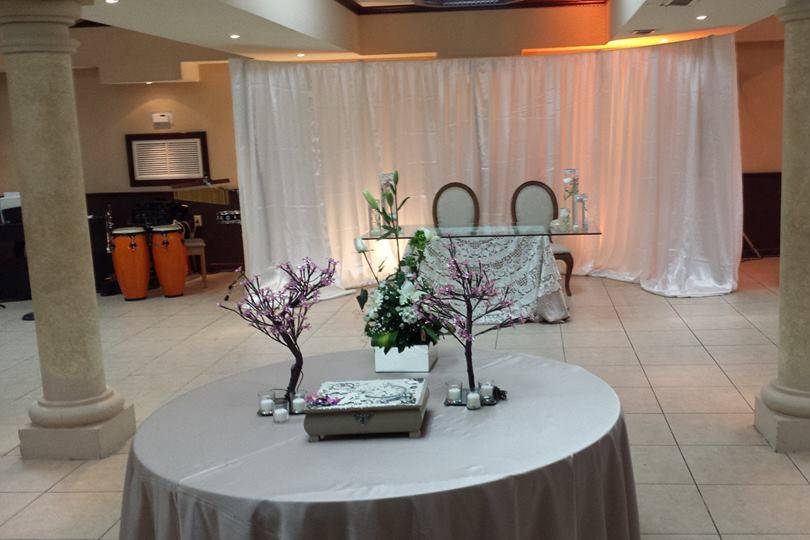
(111, 1)
(300, 55)
(702, 17)
(148, 82)
(234, 36)
(664, 40)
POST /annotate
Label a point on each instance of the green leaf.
(372, 202)
(395, 179)
(432, 334)
(402, 203)
(389, 198)
(362, 298)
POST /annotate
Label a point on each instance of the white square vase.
(415, 359)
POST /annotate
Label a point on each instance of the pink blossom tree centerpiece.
(281, 314)
(457, 306)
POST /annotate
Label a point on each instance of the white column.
(79, 416)
(783, 408)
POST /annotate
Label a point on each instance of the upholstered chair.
(455, 205)
(534, 203)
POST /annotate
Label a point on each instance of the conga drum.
(130, 256)
(171, 258)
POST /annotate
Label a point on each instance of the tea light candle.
(266, 405)
(281, 415)
(473, 400)
(453, 393)
(487, 390)
(299, 404)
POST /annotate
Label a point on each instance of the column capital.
(28, 26)
(794, 10)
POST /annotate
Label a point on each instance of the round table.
(552, 462)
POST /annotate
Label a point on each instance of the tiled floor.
(686, 370)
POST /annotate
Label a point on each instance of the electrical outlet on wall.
(198, 220)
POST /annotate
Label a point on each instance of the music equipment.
(171, 258)
(130, 256)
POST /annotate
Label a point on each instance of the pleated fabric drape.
(654, 132)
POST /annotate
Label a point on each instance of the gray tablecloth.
(552, 462)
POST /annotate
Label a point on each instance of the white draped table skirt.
(552, 462)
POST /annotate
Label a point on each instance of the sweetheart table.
(552, 462)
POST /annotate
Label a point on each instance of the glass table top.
(485, 231)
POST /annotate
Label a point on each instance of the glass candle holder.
(487, 391)
(266, 402)
(299, 402)
(473, 400)
(280, 412)
(453, 392)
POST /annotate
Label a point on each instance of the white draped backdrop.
(654, 132)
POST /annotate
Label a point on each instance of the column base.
(785, 433)
(93, 441)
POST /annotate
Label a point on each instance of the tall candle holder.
(582, 199)
(571, 183)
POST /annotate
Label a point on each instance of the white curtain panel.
(653, 131)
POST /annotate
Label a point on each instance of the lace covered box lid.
(373, 395)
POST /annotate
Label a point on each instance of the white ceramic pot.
(416, 359)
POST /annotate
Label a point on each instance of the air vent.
(644, 31)
(463, 3)
(171, 159)
(681, 3)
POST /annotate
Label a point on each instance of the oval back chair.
(534, 203)
(455, 205)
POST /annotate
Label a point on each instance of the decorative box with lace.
(366, 407)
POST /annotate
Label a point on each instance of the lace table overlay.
(526, 263)
(373, 394)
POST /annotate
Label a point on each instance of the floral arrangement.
(457, 306)
(391, 319)
(282, 314)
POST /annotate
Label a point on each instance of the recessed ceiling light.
(148, 82)
(702, 17)
(300, 55)
(664, 40)
(111, 1)
(234, 36)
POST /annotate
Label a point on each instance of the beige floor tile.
(759, 509)
(581, 324)
(744, 354)
(17, 474)
(647, 323)
(745, 336)
(638, 400)
(648, 429)
(662, 338)
(621, 376)
(750, 374)
(701, 400)
(700, 375)
(673, 355)
(659, 465)
(766, 537)
(11, 503)
(595, 339)
(714, 429)
(748, 465)
(98, 475)
(802, 461)
(113, 533)
(752, 296)
(65, 515)
(525, 342)
(601, 356)
(713, 309)
(720, 322)
(672, 509)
